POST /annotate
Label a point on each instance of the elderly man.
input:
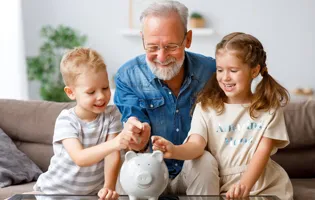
(155, 93)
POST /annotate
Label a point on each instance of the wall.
(13, 82)
(285, 27)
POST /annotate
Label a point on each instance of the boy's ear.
(70, 93)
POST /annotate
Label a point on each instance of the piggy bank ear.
(129, 155)
(158, 155)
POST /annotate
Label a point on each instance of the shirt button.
(177, 129)
(170, 92)
(176, 164)
(177, 110)
(151, 106)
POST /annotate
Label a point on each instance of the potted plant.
(196, 20)
(45, 67)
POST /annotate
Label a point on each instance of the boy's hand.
(123, 139)
(167, 147)
(237, 191)
(107, 194)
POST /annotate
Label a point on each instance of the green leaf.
(44, 67)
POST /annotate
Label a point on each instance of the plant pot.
(197, 23)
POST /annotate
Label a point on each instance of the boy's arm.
(112, 167)
(88, 156)
(257, 163)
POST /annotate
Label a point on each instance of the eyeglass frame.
(164, 47)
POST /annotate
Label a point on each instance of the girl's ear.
(70, 93)
(255, 71)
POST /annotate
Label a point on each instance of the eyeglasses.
(168, 48)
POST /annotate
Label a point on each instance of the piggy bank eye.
(138, 164)
(149, 164)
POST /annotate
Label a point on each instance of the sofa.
(30, 126)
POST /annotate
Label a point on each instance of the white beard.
(166, 73)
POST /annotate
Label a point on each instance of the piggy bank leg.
(132, 197)
(153, 198)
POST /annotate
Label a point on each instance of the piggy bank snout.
(144, 178)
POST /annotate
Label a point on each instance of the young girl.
(241, 129)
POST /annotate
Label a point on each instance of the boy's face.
(92, 93)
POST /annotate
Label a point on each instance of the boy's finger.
(136, 139)
(115, 195)
(109, 194)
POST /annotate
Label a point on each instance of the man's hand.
(237, 191)
(167, 147)
(107, 194)
(141, 131)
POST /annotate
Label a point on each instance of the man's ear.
(255, 71)
(188, 39)
(70, 93)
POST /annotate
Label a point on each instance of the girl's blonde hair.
(78, 60)
(269, 94)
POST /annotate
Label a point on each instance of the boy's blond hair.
(79, 60)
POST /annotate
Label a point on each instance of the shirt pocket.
(151, 103)
(156, 111)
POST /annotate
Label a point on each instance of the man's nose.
(162, 55)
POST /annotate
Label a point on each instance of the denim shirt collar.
(187, 65)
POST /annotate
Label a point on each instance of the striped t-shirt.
(63, 175)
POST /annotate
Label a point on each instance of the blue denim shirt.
(141, 94)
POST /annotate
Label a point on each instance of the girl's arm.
(258, 162)
(254, 170)
(193, 148)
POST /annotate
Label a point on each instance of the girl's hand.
(167, 147)
(238, 191)
(107, 194)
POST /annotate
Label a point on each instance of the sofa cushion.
(300, 122)
(303, 189)
(40, 154)
(298, 163)
(15, 166)
(30, 121)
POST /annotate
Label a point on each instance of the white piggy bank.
(144, 175)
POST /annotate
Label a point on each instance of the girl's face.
(92, 93)
(235, 77)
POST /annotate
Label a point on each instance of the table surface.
(124, 197)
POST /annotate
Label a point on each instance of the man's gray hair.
(163, 8)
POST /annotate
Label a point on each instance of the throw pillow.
(15, 166)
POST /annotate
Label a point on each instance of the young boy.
(87, 133)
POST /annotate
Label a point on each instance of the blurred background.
(34, 32)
